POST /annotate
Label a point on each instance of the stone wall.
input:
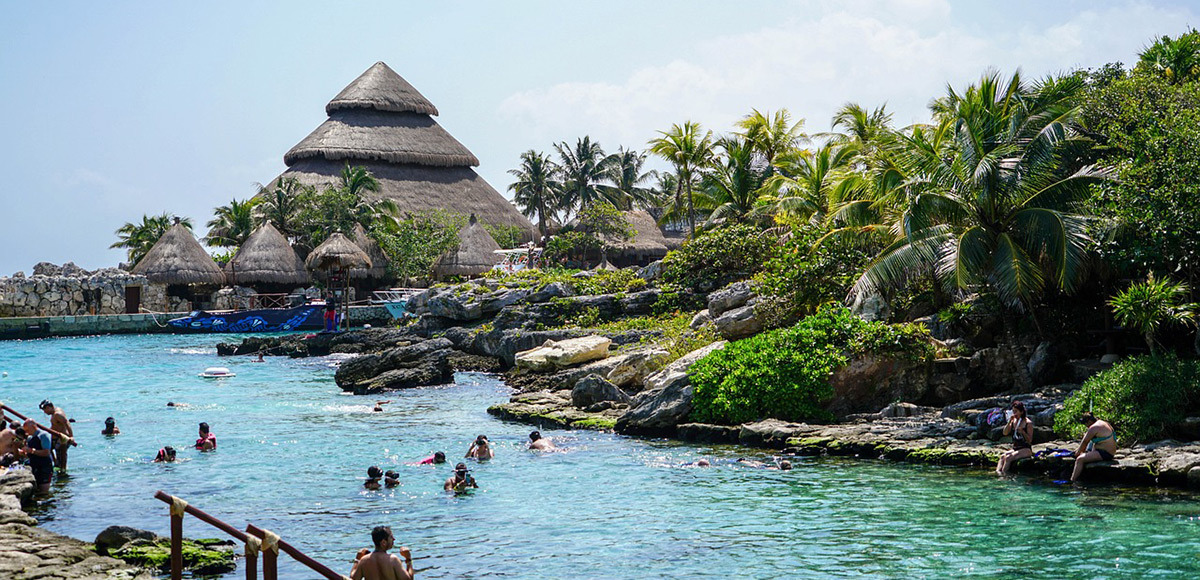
(72, 291)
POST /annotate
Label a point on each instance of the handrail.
(40, 426)
(252, 531)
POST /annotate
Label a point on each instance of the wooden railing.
(268, 301)
(254, 538)
(62, 436)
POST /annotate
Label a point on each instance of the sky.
(112, 110)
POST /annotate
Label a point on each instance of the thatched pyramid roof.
(379, 261)
(178, 258)
(382, 123)
(337, 251)
(475, 254)
(266, 257)
(648, 239)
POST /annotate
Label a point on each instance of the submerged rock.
(421, 364)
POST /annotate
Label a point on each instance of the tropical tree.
(812, 183)
(999, 199)
(280, 204)
(1150, 305)
(688, 150)
(1176, 59)
(357, 179)
(866, 129)
(339, 208)
(231, 224)
(535, 191)
(581, 170)
(772, 135)
(732, 186)
(624, 170)
(138, 238)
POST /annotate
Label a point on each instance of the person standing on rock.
(539, 443)
(380, 565)
(481, 449)
(1098, 444)
(39, 450)
(59, 422)
(1021, 429)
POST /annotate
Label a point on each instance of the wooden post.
(176, 547)
(269, 561)
(252, 567)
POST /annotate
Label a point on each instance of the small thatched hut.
(475, 254)
(180, 262)
(647, 245)
(379, 262)
(383, 123)
(337, 253)
(267, 262)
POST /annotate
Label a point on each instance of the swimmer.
(260, 357)
(379, 405)
(180, 405)
(539, 443)
(373, 475)
(380, 565)
(391, 478)
(437, 458)
(60, 423)
(461, 480)
(207, 440)
(698, 463)
(481, 449)
(165, 455)
(110, 427)
(751, 463)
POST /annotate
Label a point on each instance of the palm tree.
(689, 151)
(581, 169)
(139, 238)
(535, 190)
(280, 204)
(731, 188)
(355, 180)
(625, 173)
(772, 135)
(1176, 59)
(812, 183)
(997, 203)
(862, 127)
(231, 224)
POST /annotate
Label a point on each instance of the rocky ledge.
(28, 552)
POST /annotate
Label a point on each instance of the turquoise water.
(293, 451)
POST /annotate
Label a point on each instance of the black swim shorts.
(1105, 455)
(43, 476)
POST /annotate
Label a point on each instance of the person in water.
(207, 441)
(437, 458)
(380, 565)
(461, 480)
(1098, 444)
(481, 449)
(60, 423)
(373, 475)
(391, 478)
(165, 455)
(110, 427)
(39, 450)
(539, 443)
(12, 440)
(1021, 429)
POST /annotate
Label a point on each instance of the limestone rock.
(594, 389)
(700, 319)
(552, 290)
(495, 301)
(639, 303)
(113, 538)
(667, 400)
(420, 364)
(737, 323)
(651, 272)
(733, 296)
(564, 353)
(1042, 365)
(871, 308)
(450, 304)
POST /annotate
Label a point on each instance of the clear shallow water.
(294, 449)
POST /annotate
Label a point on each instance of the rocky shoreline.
(28, 552)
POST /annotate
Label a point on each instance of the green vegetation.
(803, 276)
(231, 224)
(198, 556)
(719, 256)
(1142, 397)
(785, 373)
(414, 243)
(506, 236)
(1150, 305)
(138, 238)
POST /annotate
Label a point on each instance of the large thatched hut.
(267, 262)
(647, 245)
(474, 255)
(381, 122)
(379, 262)
(178, 261)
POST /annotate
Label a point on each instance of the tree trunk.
(691, 210)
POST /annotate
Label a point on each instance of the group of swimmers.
(461, 480)
(1098, 442)
(44, 450)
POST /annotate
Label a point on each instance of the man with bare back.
(380, 565)
(59, 422)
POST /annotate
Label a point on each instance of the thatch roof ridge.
(178, 258)
(374, 136)
(475, 253)
(647, 238)
(418, 188)
(382, 89)
(266, 257)
(379, 261)
(338, 251)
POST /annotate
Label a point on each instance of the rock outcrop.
(424, 363)
(667, 398)
(563, 353)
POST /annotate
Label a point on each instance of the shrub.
(785, 373)
(1142, 397)
(506, 236)
(801, 278)
(718, 257)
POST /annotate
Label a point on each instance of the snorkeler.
(207, 440)
(373, 475)
(110, 427)
(436, 458)
(461, 480)
(165, 455)
(391, 478)
(539, 443)
(481, 449)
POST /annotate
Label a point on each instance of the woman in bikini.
(1021, 429)
(1098, 444)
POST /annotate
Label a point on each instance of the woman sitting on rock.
(1021, 429)
(1098, 444)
